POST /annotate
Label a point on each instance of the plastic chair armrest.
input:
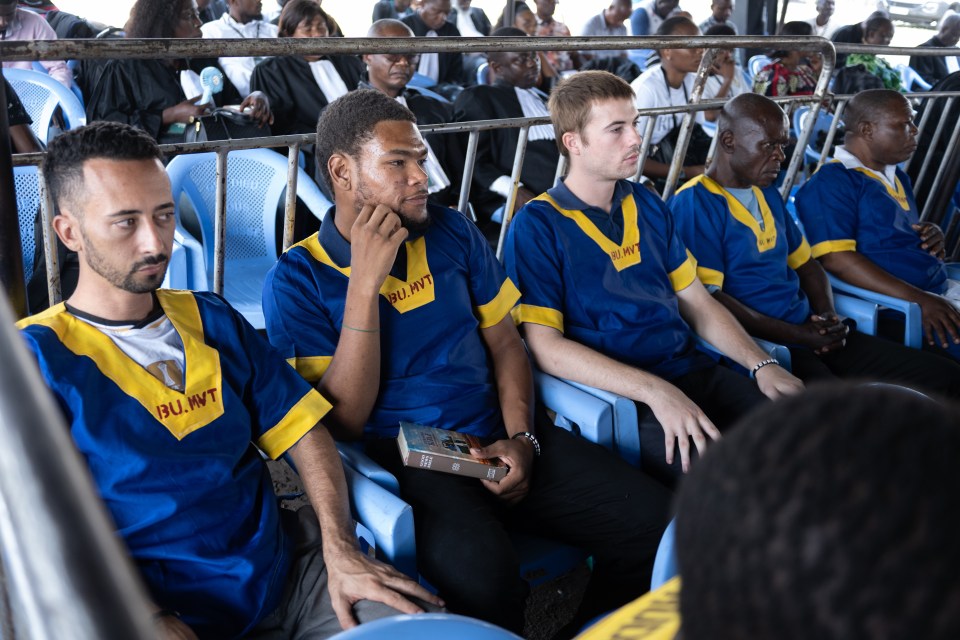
(862, 312)
(592, 415)
(352, 456)
(913, 331)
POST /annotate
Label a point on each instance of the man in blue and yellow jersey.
(863, 223)
(169, 395)
(755, 261)
(610, 295)
(398, 310)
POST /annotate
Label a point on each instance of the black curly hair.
(831, 515)
(348, 122)
(154, 18)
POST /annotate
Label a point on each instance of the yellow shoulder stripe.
(832, 246)
(800, 256)
(538, 315)
(653, 616)
(312, 368)
(302, 417)
(497, 309)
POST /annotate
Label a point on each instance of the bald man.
(390, 74)
(755, 262)
(933, 69)
(862, 220)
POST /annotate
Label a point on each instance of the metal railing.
(11, 274)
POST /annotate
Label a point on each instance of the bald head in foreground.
(839, 523)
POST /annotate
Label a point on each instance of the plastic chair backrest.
(756, 63)
(483, 73)
(665, 562)
(801, 117)
(256, 179)
(426, 625)
(421, 81)
(41, 95)
(910, 78)
(27, 185)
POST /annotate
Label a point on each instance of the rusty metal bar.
(561, 168)
(644, 147)
(713, 149)
(514, 185)
(937, 134)
(173, 48)
(832, 132)
(50, 253)
(469, 163)
(290, 206)
(686, 127)
(11, 251)
(924, 119)
(220, 223)
(941, 170)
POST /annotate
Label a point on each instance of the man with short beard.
(398, 310)
(170, 397)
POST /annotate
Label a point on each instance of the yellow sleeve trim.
(299, 420)
(312, 368)
(832, 246)
(799, 257)
(498, 308)
(684, 275)
(654, 616)
(710, 276)
(538, 315)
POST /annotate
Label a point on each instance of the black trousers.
(722, 394)
(878, 360)
(580, 494)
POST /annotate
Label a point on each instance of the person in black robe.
(431, 15)
(933, 69)
(147, 93)
(289, 82)
(389, 74)
(496, 148)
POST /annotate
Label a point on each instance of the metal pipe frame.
(832, 132)
(290, 205)
(469, 162)
(941, 170)
(514, 185)
(937, 134)
(68, 573)
(220, 222)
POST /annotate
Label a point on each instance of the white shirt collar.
(850, 161)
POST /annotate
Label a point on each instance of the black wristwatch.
(533, 440)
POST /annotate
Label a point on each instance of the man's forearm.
(352, 381)
(858, 270)
(513, 375)
(565, 358)
(319, 467)
(814, 283)
(710, 320)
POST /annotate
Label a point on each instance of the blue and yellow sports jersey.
(751, 263)
(851, 210)
(188, 492)
(607, 281)
(445, 286)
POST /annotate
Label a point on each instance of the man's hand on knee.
(682, 420)
(353, 576)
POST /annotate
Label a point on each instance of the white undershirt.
(156, 347)
(465, 24)
(850, 161)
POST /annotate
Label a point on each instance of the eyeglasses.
(412, 59)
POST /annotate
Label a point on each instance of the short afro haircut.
(833, 515)
(63, 165)
(348, 122)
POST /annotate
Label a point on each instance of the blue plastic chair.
(756, 63)
(426, 625)
(256, 180)
(824, 120)
(27, 186)
(421, 81)
(909, 78)
(41, 95)
(484, 72)
(913, 328)
(665, 563)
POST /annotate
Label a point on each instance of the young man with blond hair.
(610, 295)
